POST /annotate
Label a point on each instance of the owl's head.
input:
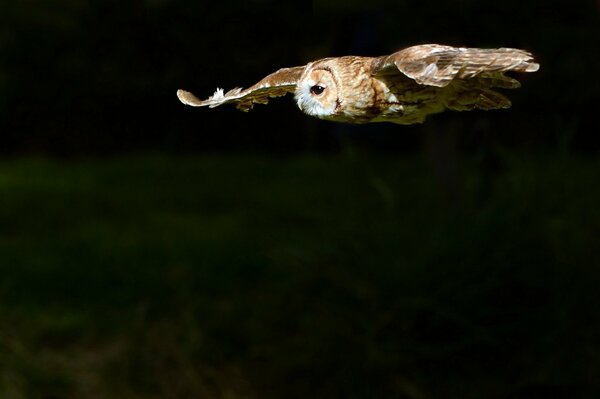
(317, 91)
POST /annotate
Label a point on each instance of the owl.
(404, 87)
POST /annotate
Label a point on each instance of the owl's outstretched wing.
(277, 84)
(437, 65)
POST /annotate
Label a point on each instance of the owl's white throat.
(309, 104)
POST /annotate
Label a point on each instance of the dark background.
(153, 250)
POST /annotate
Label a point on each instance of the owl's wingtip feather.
(532, 67)
(218, 98)
(188, 98)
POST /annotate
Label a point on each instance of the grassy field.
(343, 276)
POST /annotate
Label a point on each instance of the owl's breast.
(362, 99)
(396, 99)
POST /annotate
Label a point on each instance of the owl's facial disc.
(316, 93)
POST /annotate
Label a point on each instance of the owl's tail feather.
(498, 79)
(489, 99)
(478, 98)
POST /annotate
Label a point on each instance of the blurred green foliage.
(344, 276)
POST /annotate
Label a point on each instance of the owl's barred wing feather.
(437, 65)
(277, 84)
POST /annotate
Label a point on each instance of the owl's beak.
(299, 101)
(296, 98)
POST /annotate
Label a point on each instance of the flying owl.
(403, 87)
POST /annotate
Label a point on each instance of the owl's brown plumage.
(403, 87)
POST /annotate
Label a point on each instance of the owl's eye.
(317, 90)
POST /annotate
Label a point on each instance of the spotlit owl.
(404, 87)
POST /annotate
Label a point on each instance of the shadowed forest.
(153, 250)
